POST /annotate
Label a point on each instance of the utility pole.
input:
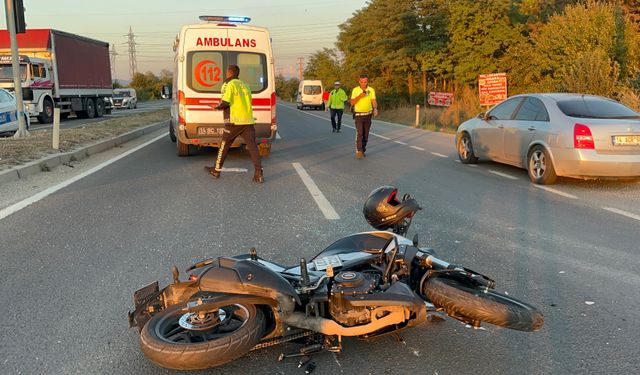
(133, 65)
(113, 54)
(301, 63)
(15, 65)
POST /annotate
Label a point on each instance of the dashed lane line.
(327, 209)
(400, 143)
(439, 155)
(555, 191)
(419, 148)
(622, 212)
(503, 175)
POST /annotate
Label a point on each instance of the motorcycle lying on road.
(365, 285)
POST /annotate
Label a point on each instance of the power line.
(113, 54)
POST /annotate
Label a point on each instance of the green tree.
(286, 89)
(325, 66)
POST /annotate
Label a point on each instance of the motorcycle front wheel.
(472, 303)
(179, 340)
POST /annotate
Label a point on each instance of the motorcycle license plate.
(141, 295)
(209, 131)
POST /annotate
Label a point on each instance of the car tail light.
(181, 107)
(582, 137)
(273, 108)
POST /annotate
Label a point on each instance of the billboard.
(442, 99)
(492, 88)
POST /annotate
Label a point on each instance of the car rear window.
(312, 90)
(589, 107)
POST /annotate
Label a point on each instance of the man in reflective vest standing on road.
(335, 105)
(364, 106)
(238, 120)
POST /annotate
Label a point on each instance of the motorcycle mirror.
(415, 240)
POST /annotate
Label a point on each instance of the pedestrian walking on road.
(238, 120)
(364, 106)
(337, 98)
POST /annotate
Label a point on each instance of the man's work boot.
(212, 171)
(258, 176)
(359, 154)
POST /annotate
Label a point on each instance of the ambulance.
(203, 52)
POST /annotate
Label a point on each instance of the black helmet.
(383, 210)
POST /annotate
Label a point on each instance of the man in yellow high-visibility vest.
(335, 104)
(238, 120)
(363, 100)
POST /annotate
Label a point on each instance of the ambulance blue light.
(235, 19)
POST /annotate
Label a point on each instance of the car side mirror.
(166, 92)
(482, 116)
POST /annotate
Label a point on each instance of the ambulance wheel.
(183, 148)
(172, 133)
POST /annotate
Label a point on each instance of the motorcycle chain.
(281, 340)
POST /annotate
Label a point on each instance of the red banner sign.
(442, 99)
(492, 88)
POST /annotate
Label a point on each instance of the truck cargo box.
(82, 63)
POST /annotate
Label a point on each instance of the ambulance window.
(253, 70)
(207, 71)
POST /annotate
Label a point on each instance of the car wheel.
(540, 166)
(465, 150)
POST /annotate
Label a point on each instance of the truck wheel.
(64, 116)
(99, 107)
(46, 117)
(183, 148)
(90, 109)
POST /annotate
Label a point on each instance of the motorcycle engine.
(347, 285)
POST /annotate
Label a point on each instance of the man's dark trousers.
(336, 113)
(363, 124)
(231, 132)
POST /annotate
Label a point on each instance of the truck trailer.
(59, 69)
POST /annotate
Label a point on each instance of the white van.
(309, 94)
(202, 54)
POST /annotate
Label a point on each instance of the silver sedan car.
(550, 135)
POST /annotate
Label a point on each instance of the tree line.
(148, 86)
(410, 47)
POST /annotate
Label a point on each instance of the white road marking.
(380, 136)
(240, 170)
(278, 136)
(419, 148)
(327, 209)
(400, 143)
(503, 175)
(473, 165)
(457, 161)
(623, 213)
(554, 191)
(45, 193)
(439, 155)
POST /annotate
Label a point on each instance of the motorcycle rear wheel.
(230, 334)
(473, 303)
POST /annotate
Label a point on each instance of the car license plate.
(626, 140)
(209, 131)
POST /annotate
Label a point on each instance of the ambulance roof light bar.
(235, 19)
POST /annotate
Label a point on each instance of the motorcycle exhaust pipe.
(395, 315)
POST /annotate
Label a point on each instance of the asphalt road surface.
(71, 261)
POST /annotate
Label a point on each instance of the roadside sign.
(492, 88)
(441, 99)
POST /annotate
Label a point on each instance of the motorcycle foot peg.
(303, 361)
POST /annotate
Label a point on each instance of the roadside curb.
(49, 162)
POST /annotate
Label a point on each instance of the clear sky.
(298, 28)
